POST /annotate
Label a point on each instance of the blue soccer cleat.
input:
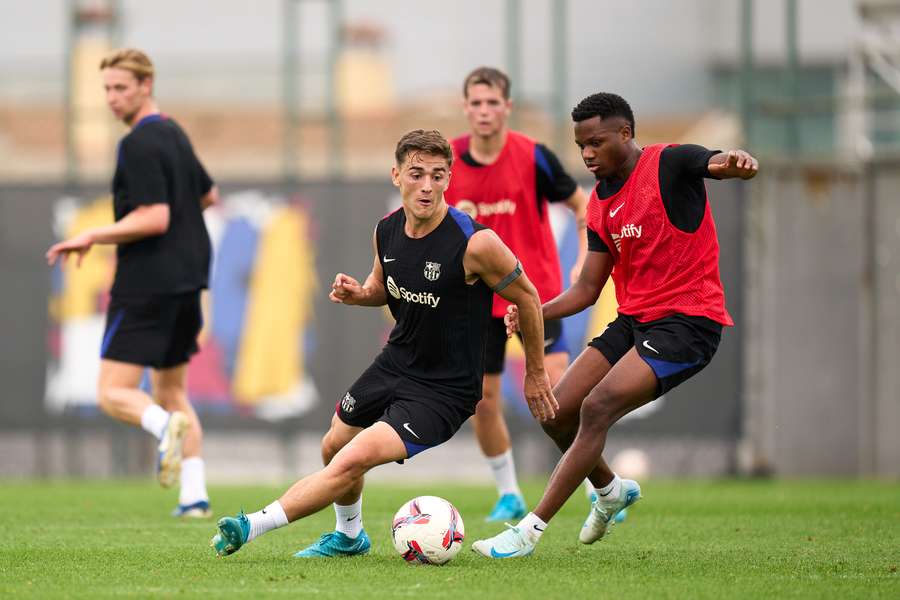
(509, 507)
(169, 450)
(511, 543)
(197, 510)
(335, 543)
(233, 533)
(604, 512)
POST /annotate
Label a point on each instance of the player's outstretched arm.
(144, 221)
(734, 163)
(489, 258)
(347, 290)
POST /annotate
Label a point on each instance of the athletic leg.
(170, 391)
(348, 537)
(491, 430)
(375, 445)
(630, 384)
(118, 392)
(583, 375)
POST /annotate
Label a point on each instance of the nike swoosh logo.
(263, 511)
(649, 347)
(353, 517)
(495, 554)
(406, 427)
(612, 213)
(386, 259)
(536, 528)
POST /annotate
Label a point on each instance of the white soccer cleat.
(603, 512)
(169, 451)
(511, 543)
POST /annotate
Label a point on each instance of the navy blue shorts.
(158, 331)
(495, 343)
(675, 347)
(421, 415)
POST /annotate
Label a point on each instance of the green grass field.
(696, 539)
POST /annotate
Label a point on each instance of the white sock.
(532, 527)
(589, 488)
(154, 420)
(348, 519)
(504, 470)
(193, 481)
(269, 518)
(610, 491)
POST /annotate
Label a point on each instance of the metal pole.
(71, 166)
(745, 99)
(335, 122)
(290, 91)
(514, 50)
(560, 73)
(116, 24)
(792, 82)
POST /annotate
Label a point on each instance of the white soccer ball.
(427, 530)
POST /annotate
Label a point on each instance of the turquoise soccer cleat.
(620, 516)
(509, 507)
(197, 510)
(511, 543)
(233, 533)
(169, 450)
(335, 543)
(605, 512)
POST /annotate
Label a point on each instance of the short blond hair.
(130, 59)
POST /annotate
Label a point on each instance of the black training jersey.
(156, 163)
(441, 320)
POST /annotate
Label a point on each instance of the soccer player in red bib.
(505, 180)
(650, 227)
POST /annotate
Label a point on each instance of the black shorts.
(158, 331)
(421, 416)
(495, 343)
(675, 347)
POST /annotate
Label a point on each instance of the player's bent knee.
(354, 461)
(597, 412)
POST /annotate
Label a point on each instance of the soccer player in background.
(437, 270)
(160, 190)
(650, 226)
(505, 180)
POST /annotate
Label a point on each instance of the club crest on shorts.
(348, 402)
(432, 271)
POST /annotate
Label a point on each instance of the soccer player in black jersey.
(160, 190)
(436, 269)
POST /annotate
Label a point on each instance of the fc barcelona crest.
(432, 271)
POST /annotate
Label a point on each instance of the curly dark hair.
(603, 105)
